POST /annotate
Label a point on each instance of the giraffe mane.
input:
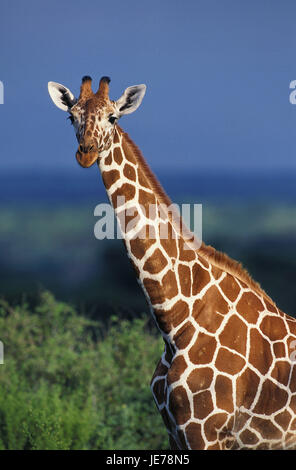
(154, 183)
(235, 268)
(215, 257)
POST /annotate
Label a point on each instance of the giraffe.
(227, 376)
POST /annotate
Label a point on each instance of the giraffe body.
(227, 377)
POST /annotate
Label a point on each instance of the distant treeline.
(47, 235)
(60, 186)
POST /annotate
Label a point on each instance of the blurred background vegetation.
(80, 348)
(72, 383)
(47, 235)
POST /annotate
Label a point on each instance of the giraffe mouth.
(87, 159)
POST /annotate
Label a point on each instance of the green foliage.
(69, 383)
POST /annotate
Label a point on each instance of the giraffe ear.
(61, 96)
(131, 99)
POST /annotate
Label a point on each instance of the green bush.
(67, 382)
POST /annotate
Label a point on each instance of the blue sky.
(217, 75)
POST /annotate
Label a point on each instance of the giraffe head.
(94, 115)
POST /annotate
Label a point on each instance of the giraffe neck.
(152, 237)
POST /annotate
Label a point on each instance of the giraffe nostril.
(85, 148)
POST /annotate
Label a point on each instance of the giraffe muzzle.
(86, 155)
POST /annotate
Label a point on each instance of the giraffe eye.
(112, 119)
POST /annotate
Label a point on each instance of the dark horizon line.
(46, 171)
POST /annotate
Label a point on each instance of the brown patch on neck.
(227, 264)
(205, 252)
(134, 154)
